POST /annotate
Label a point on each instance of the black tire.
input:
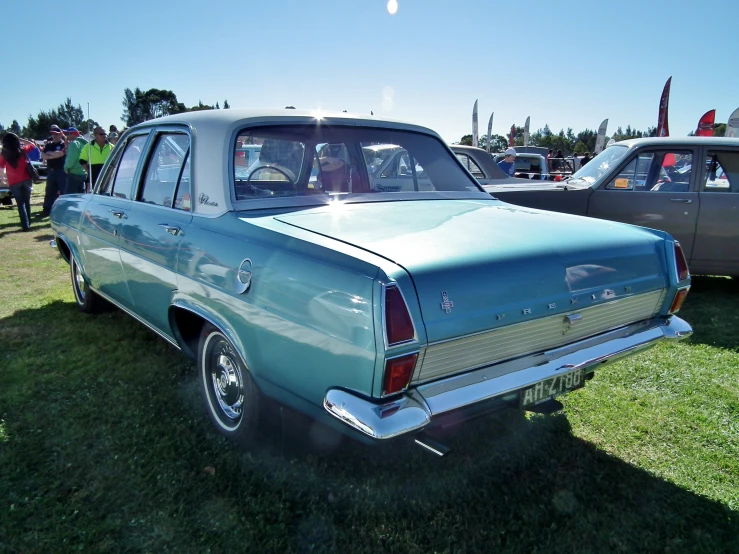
(87, 301)
(231, 398)
(7, 201)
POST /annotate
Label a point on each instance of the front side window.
(304, 160)
(164, 169)
(722, 172)
(655, 172)
(126, 170)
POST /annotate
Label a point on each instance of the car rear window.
(304, 160)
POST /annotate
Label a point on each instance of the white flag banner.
(474, 125)
(601, 139)
(611, 142)
(490, 130)
(732, 126)
(526, 132)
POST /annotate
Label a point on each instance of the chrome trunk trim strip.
(488, 347)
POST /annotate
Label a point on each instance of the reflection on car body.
(301, 278)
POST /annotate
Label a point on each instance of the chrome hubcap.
(228, 386)
(80, 283)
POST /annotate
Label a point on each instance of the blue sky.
(568, 64)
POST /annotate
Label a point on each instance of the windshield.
(304, 160)
(601, 164)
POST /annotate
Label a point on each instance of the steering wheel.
(274, 168)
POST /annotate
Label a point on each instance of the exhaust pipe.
(431, 445)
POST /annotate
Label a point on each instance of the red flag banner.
(663, 128)
(705, 124)
(513, 134)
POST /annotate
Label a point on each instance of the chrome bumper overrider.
(415, 409)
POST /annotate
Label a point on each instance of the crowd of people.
(73, 164)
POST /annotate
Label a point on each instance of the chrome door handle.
(170, 229)
(683, 200)
(119, 215)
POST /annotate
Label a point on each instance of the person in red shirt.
(13, 161)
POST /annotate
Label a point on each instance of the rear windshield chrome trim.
(325, 200)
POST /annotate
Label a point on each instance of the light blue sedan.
(383, 313)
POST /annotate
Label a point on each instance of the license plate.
(554, 386)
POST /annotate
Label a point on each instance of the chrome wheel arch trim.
(211, 318)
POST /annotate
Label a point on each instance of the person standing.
(56, 179)
(13, 159)
(76, 175)
(585, 159)
(507, 164)
(94, 154)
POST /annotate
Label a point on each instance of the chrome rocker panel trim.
(418, 406)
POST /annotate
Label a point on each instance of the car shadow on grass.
(712, 309)
(104, 431)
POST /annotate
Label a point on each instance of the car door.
(157, 220)
(654, 188)
(100, 229)
(716, 248)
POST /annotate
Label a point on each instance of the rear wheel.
(87, 301)
(231, 397)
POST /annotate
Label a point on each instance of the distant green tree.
(581, 148)
(200, 107)
(719, 130)
(225, 105)
(466, 140)
(141, 106)
(217, 106)
(15, 127)
(65, 115)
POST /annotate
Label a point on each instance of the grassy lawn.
(105, 447)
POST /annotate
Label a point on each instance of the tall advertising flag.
(705, 124)
(601, 138)
(474, 125)
(490, 130)
(513, 133)
(663, 129)
(732, 126)
(526, 132)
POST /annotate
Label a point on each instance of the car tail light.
(398, 372)
(677, 302)
(398, 324)
(682, 266)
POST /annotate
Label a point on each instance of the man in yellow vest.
(94, 154)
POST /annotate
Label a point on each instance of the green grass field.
(105, 447)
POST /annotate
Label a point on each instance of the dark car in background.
(688, 187)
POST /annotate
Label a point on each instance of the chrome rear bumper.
(416, 408)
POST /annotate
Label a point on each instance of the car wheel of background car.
(87, 300)
(231, 397)
(7, 201)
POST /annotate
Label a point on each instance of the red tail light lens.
(677, 303)
(398, 372)
(398, 324)
(682, 265)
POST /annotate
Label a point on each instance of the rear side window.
(164, 169)
(470, 164)
(722, 172)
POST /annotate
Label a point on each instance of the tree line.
(138, 106)
(567, 141)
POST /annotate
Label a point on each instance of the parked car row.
(357, 271)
